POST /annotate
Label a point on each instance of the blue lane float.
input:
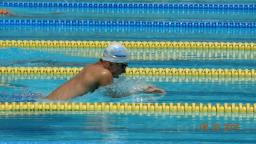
(130, 5)
(41, 22)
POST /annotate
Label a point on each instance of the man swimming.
(5, 12)
(112, 64)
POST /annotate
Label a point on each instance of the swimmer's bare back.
(89, 79)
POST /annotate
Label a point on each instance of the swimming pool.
(202, 53)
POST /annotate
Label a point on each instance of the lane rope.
(124, 23)
(131, 107)
(237, 73)
(129, 44)
(7, 78)
(160, 54)
(214, 6)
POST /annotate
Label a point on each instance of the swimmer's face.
(118, 69)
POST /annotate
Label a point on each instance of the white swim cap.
(116, 53)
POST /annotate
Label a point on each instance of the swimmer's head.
(116, 53)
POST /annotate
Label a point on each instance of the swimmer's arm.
(77, 86)
(91, 83)
(70, 89)
(135, 90)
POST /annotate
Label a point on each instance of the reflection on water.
(49, 63)
(35, 57)
(126, 128)
(17, 93)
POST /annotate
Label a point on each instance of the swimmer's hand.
(152, 89)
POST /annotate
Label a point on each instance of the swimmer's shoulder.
(97, 70)
(103, 75)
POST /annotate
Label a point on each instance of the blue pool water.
(132, 14)
(78, 127)
(126, 33)
(205, 92)
(64, 58)
(15, 88)
(124, 128)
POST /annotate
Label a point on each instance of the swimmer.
(111, 65)
(5, 12)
